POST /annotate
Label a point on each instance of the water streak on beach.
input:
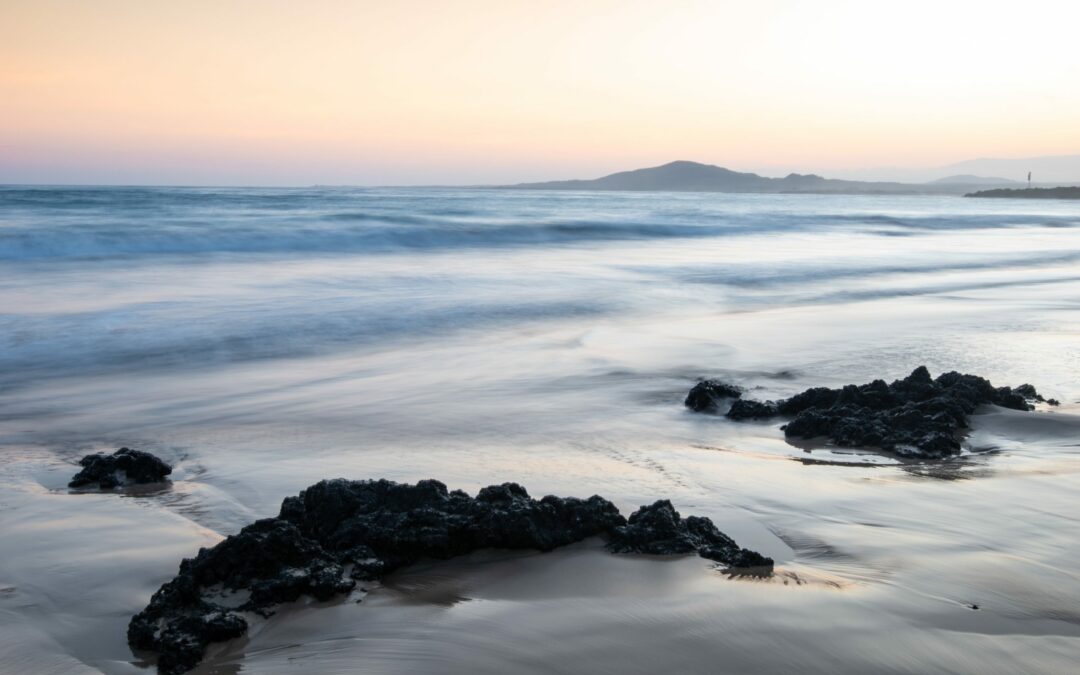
(263, 339)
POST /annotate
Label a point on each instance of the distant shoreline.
(1029, 193)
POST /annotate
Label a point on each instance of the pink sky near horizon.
(272, 92)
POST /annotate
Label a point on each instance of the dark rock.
(337, 531)
(745, 409)
(706, 394)
(818, 397)
(660, 530)
(918, 416)
(1028, 392)
(123, 467)
(398, 524)
(183, 642)
(1053, 402)
(269, 561)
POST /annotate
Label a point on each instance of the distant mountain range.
(1049, 170)
(684, 176)
(968, 179)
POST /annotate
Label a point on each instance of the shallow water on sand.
(261, 340)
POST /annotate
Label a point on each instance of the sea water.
(263, 339)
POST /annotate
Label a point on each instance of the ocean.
(262, 339)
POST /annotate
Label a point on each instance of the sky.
(269, 92)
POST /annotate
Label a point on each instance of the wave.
(846, 296)
(159, 335)
(753, 276)
(31, 244)
(74, 223)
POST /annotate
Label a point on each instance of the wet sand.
(879, 569)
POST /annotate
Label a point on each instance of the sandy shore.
(896, 566)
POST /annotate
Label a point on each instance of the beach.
(260, 340)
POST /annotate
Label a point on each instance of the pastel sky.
(468, 91)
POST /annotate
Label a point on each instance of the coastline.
(474, 613)
(1028, 193)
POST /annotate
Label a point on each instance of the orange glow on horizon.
(485, 91)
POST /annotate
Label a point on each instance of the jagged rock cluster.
(123, 467)
(918, 416)
(338, 531)
(660, 530)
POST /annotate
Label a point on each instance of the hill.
(684, 176)
(968, 179)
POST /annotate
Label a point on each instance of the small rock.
(123, 467)
(706, 394)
